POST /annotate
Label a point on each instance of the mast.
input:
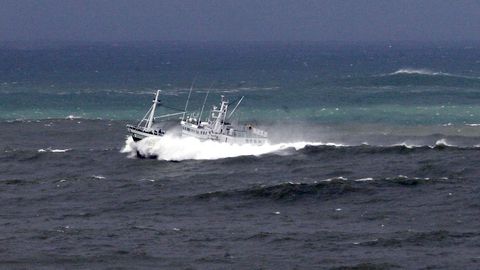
(186, 104)
(152, 110)
(203, 106)
(220, 117)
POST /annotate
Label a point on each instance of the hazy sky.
(239, 20)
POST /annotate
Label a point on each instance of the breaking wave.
(413, 77)
(176, 148)
(421, 71)
(428, 72)
(439, 144)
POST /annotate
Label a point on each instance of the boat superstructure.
(218, 127)
(147, 127)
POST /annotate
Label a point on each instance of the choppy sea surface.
(372, 161)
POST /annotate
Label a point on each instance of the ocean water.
(372, 161)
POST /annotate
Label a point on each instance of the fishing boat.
(218, 126)
(148, 127)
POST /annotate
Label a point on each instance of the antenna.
(186, 104)
(203, 106)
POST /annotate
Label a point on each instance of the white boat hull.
(203, 134)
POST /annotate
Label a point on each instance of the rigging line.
(233, 111)
(188, 99)
(208, 91)
(172, 108)
(203, 106)
(210, 88)
(233, 102)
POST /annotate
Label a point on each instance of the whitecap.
(72, 117)
(341, 178)
(60, 150)
(421, 71)
(442, 142)
(53, 150)
(364, 179)
(407, 145)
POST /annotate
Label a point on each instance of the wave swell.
(324, 189)
(288, 191)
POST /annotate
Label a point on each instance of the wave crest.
(53, 150)
(421, 71)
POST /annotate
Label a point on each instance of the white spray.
(170, 147)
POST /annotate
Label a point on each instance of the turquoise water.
(408, 84)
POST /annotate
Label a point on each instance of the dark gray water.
(324, 207)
